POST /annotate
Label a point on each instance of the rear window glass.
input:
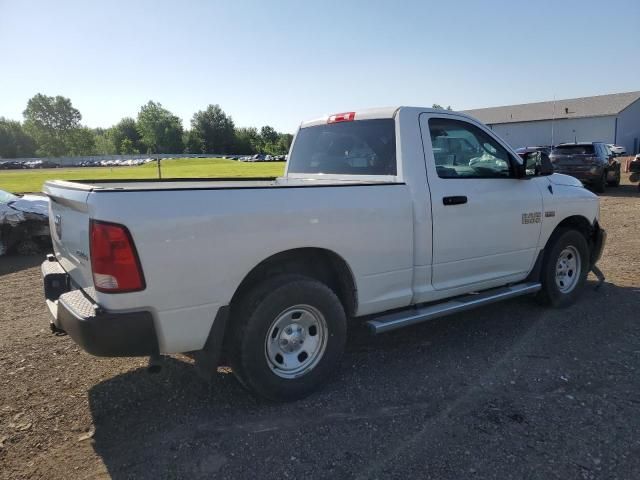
(574, 149)
(362, 147)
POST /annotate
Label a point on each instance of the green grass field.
(22, 181)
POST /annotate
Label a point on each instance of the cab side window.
(462, 150)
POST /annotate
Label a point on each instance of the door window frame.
(514, 159)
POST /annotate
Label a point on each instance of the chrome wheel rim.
(296, 341)
(568, 269)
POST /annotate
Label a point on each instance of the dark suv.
(524, 150)
(591, 163)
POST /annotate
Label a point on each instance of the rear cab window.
(360, 147)
(574, 149)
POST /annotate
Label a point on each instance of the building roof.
(601, 105)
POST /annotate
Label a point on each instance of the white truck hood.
(568, 180)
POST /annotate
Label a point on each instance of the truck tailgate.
(69, 222)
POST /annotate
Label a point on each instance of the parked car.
(368, 222)
(617, 149)
(591, 163)
(12, 165)
(524, 150)
(24, 222)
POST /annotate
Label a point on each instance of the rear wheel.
(288, 335)
(600, 185)
(565, 268)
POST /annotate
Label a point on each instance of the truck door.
(486, 222)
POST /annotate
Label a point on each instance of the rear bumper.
(581, 173)
(98, 331)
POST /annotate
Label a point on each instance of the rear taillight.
(342, 117)
(114, 260)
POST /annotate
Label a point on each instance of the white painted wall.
(592, 129)
(629, 128)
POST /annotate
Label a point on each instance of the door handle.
(455, 200)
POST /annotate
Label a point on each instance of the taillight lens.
(114, 260)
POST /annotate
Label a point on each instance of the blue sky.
(279, 62)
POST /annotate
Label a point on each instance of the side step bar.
(391, 321)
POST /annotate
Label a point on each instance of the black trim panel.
(209, 357)
(189, 179)
(55, 280)
(534, 274)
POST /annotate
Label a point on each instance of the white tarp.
(10, 215)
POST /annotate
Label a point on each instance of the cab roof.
(374, 113)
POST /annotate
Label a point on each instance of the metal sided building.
(611, 118)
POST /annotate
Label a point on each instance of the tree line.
(52, 128)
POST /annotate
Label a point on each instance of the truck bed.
(198, 239)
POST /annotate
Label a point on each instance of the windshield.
(6, 197)
(363, 147)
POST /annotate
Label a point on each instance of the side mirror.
(536, 164)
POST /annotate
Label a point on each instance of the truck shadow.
(16, 263)
(623, 190)
(175, 425)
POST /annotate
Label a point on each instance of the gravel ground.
(508, 391)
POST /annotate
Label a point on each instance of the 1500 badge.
(531, 217)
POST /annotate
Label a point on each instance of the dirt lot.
(508, 391)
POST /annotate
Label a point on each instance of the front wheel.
(288, 335)
(615, 181)
(565, 268)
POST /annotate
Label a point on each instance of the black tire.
(616, 181)
(551, 293)
(600, 185)
(253, 322)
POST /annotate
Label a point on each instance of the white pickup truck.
(391, 216)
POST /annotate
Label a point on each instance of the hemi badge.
(550, 213)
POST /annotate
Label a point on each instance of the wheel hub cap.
(568, 269)
(296, 341)
(292, 338)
